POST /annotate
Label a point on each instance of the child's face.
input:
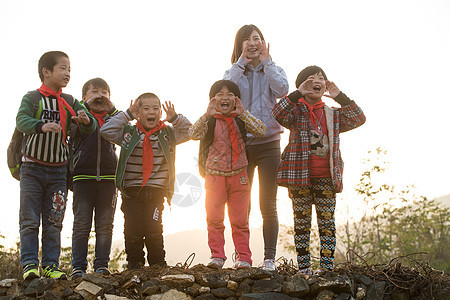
(317, 86)
(97, 96)
(59, 77)
(252, 45)
(149, 112)
(225, 101)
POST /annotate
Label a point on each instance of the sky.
(391, 56)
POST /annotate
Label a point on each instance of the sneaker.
(216, 263)
(77, 273)
(30, 271)
(53, 272)
(268, 265)
(242, 264)
(305, 271)
(102, 271)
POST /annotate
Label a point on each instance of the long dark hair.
(243, 33)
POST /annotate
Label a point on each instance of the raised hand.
(239, 107)
(81, 117)
(51, 127)
(245, 53)
(169, 110)
(332, 89)
(134, 107)
(263, 50)
(306, 87)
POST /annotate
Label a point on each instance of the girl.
(260, 82)
(311, 165)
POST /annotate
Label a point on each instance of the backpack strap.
(36, 98)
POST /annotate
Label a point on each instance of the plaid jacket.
(294, 167)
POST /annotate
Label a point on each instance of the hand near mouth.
(263, 50)
(239, 107)
(306, 87)
(169, 109)
(99, 103)
(245, 53)
(81, 117)
(332, 89)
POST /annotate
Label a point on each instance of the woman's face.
(250, 46)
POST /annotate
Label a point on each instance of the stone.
(115, 297)
(243, 288)
(100, 281)
(214, 280)
(232, 285)
(88, 290)
(265, 296)
(400, 296)
(325, 295)
(7, 282)
(204, 289)
(178, 280)
(361, 278)
(253, 273)
(222, 292)
(135, 280)
(38, 285)
(336, 283)
(49, 295)
(170, 295)
(360, 292)
(151, 287)
(295, 287)
(344, 296)
(376, 290)
(266, 285)
(208, 296)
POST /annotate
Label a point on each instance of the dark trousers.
(91, 196)
(143, 225)
(267, 158)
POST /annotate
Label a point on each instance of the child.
(311, 165)
(44, 169)
(260, 82)
(94, 167)
(222, 131)
(145, 172)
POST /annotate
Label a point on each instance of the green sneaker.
(53, 272)
(30, 271)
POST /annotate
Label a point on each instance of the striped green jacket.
(47, 148)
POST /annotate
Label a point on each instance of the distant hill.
(444, 200)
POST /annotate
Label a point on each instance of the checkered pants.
(322, 196)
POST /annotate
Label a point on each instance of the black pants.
(143, 225)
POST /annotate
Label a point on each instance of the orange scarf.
(232, 133)
(46, 91)
(311, 109)
(147, 154)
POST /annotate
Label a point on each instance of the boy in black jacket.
(94, 166)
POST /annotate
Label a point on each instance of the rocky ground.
(200, 282)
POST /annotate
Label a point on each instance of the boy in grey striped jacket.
(44, 169)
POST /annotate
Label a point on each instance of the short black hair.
(308, 71)
(95, 83)
(218, 85)
(49, 60)
(149, 96)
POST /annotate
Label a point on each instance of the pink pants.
(235, 192)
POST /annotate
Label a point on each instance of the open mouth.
(317, 88)
(225, 105)
(252, 50)
(151, 119)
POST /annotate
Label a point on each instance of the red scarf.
(311, 109)
(99, 117)
(46, 91)
(147, 154)
(232, 133)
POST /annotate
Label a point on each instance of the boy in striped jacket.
(311, 164)
(44, 169)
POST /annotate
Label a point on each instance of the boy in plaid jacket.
(311, 164)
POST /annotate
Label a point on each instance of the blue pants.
(42, 197)
(91, 196)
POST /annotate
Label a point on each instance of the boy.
(222, 131)
(311, 165)
(146, 172)
(95, 163)
(44, 169)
